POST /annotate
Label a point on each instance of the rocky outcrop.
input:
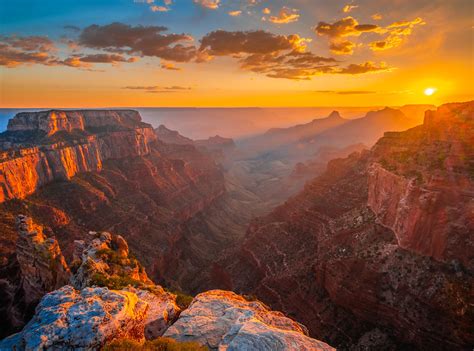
(169, 136)
(81, 320)
(53, 121)
(25, 169)
(224, 320)
(42, 265)
(105, 259)
(216, 143)
(421, 185)
(330, 258)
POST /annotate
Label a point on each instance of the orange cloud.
(210, 4)
(349, 8)
(286, 15)
(235, 13)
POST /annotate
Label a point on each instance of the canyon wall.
(421, 185)
(24, 170)
(379, 248)
(53, 121)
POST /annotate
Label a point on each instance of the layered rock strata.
(107, 135)
(379, 246)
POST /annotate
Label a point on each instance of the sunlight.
(430, 91)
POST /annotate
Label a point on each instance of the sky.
(235, 53)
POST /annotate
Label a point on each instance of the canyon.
(378, 247)
(363, 250)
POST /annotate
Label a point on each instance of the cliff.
(421, 184)
(25, 169)
(378, 249)
(42, 265)
(54, 121)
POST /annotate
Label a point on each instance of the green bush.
(183, 300)
(114, 282)
(160, 344)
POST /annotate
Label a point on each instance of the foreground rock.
(223, 320)
(81, 320)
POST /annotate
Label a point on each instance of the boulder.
(222, 320)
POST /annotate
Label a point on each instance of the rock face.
(222, 320)
(42, 265)
(169, 136)
(422, 186)
(329, 258)
(53, 121)
(60, 155)
(105, 258)
(81, 320)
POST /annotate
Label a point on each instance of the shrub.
(183, 300)
(160, 344)
(114, 282)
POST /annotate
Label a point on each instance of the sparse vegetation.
(114, 282)
(160, 344)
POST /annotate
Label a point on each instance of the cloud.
(350, 27)
(139, 40)
(293, 65)
(169, 66)
(235, 13)
(286, 15)
(31, 43)
(376, 16)
(222, 43)
(18, 50)
(209, 4)
(156, 89)
(366, 67)
(349, 8)
(345, 27)
(342, 47)
(72, 28)
(155, 8)
(106, 58)
(266, 11)
(397, 31)
(345, 92)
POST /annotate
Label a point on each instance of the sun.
(430, 91)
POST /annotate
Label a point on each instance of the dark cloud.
(31, 43)
(72, 28)
(342, 47)
(366, 67)
(293, 65)
(12, 57)
(106, 58)
(139, 40)
(345, 27)
(221, 42)
(17, 50)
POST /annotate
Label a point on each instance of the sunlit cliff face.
(235, 53)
